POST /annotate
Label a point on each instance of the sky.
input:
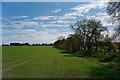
(52, 0)
(44, 22)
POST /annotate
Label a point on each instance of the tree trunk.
(96, 44)
(96, 49)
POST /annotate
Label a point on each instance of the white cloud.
(20, 17)
(66, 17)
(107, 24)
(53, 25)
(33, 36)
(85, 8)
(20, 24)
(50, 35)
(102, 14)
(103, 17)
(60, 21)
(46, 18)
(56, 11)
(74, 14)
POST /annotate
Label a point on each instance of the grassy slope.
(52, 63)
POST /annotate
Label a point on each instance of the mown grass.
(51, 64)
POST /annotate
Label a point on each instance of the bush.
(117, 59)
(106, 58)
(109, 45)
(80, 55)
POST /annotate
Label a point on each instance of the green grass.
(50, 63)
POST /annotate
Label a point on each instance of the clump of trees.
(20, 44)
(42, 44)
(87, 36)
(88, 40)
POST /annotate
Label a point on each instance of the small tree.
(109, 45)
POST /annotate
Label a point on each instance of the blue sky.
(37, 22)
(52, 0)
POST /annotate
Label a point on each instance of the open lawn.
(49, 62)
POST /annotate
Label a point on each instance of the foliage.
(117, 59)
(88, 40)
(106, 58)
(109, 45)
(87, 34)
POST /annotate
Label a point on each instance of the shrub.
(106, 58)
(117, 59)
(109, 45)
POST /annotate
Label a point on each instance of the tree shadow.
(102, 72)
(97, 72)
(66, 52)
(71, 54)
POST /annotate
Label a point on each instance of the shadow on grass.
(102, 72)
(65, 52)
(97, 72)
(71, 54)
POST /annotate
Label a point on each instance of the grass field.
(49, 62)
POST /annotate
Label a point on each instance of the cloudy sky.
(38, 22)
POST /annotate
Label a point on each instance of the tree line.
(27, 44)
(89, 38)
